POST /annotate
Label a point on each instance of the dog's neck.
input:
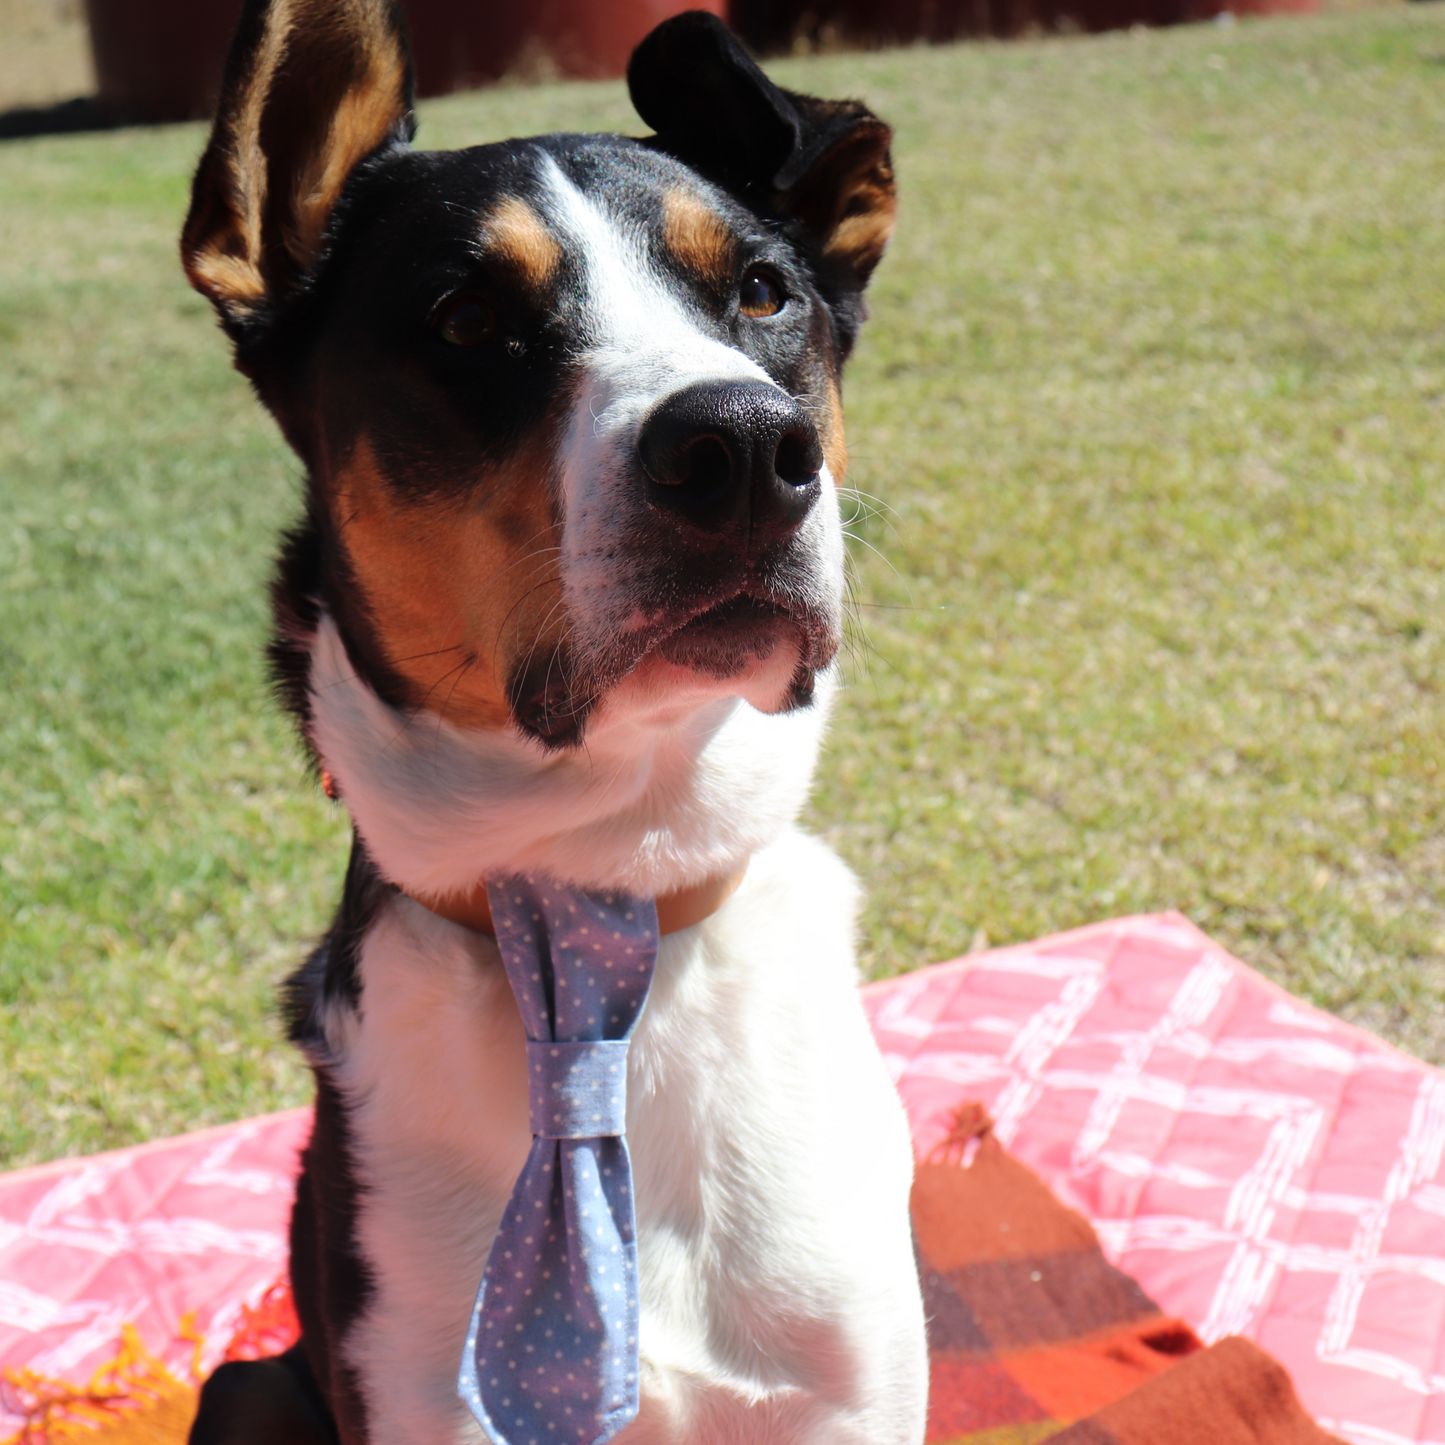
(682, 908)
(653, 805)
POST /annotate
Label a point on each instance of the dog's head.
(568, 405)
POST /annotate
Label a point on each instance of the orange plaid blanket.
(1033, 1335)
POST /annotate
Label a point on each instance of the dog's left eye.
(761, 294)
(466, 321)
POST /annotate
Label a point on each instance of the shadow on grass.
(68, 117)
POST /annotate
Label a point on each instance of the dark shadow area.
(68, 117)
(774, 26)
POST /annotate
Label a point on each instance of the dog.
(566, 600)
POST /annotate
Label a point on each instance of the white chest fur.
(770, 1154)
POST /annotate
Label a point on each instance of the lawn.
(1149, 436)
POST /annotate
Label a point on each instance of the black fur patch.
(295, 611)
(329, 974)
(330, 1279)
(264, 1402)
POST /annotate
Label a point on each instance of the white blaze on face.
(644, 346)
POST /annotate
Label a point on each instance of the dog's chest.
(778, 1296)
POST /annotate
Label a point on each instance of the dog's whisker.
(473, 600)
(434, 652)
(873, 507)
(441, 715)
(883, 557)
(540, 632)
(414, 713)
(517, 606)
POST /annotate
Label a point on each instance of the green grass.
(1153, 410)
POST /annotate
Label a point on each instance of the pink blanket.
(1259, 1167)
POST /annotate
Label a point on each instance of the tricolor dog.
(565, 603)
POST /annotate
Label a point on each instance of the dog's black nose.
(725, 455)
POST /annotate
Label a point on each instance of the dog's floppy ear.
(311, 88)
(822, 163)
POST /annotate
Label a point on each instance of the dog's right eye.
(466, 321)
(761, 293)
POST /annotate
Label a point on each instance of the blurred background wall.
(156, 60)
(161, 59)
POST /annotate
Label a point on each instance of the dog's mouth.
(553, 696)
(726, 638)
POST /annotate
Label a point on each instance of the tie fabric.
(551, 1352)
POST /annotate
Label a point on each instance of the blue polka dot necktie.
(551, 1352)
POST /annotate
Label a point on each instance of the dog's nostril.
(799, 458)
(706, 465)
(681, 458)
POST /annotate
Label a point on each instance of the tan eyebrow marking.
(698, 237)
(516, 237)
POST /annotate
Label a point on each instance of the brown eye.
(467, 322)
(760, 295)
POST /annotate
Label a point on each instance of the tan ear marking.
(311, 88)
(699, 238)
(849, 199)
(515, 237)
(221, 277)
(860, 240)
(361, 122)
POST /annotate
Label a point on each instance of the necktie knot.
(578, 1090)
